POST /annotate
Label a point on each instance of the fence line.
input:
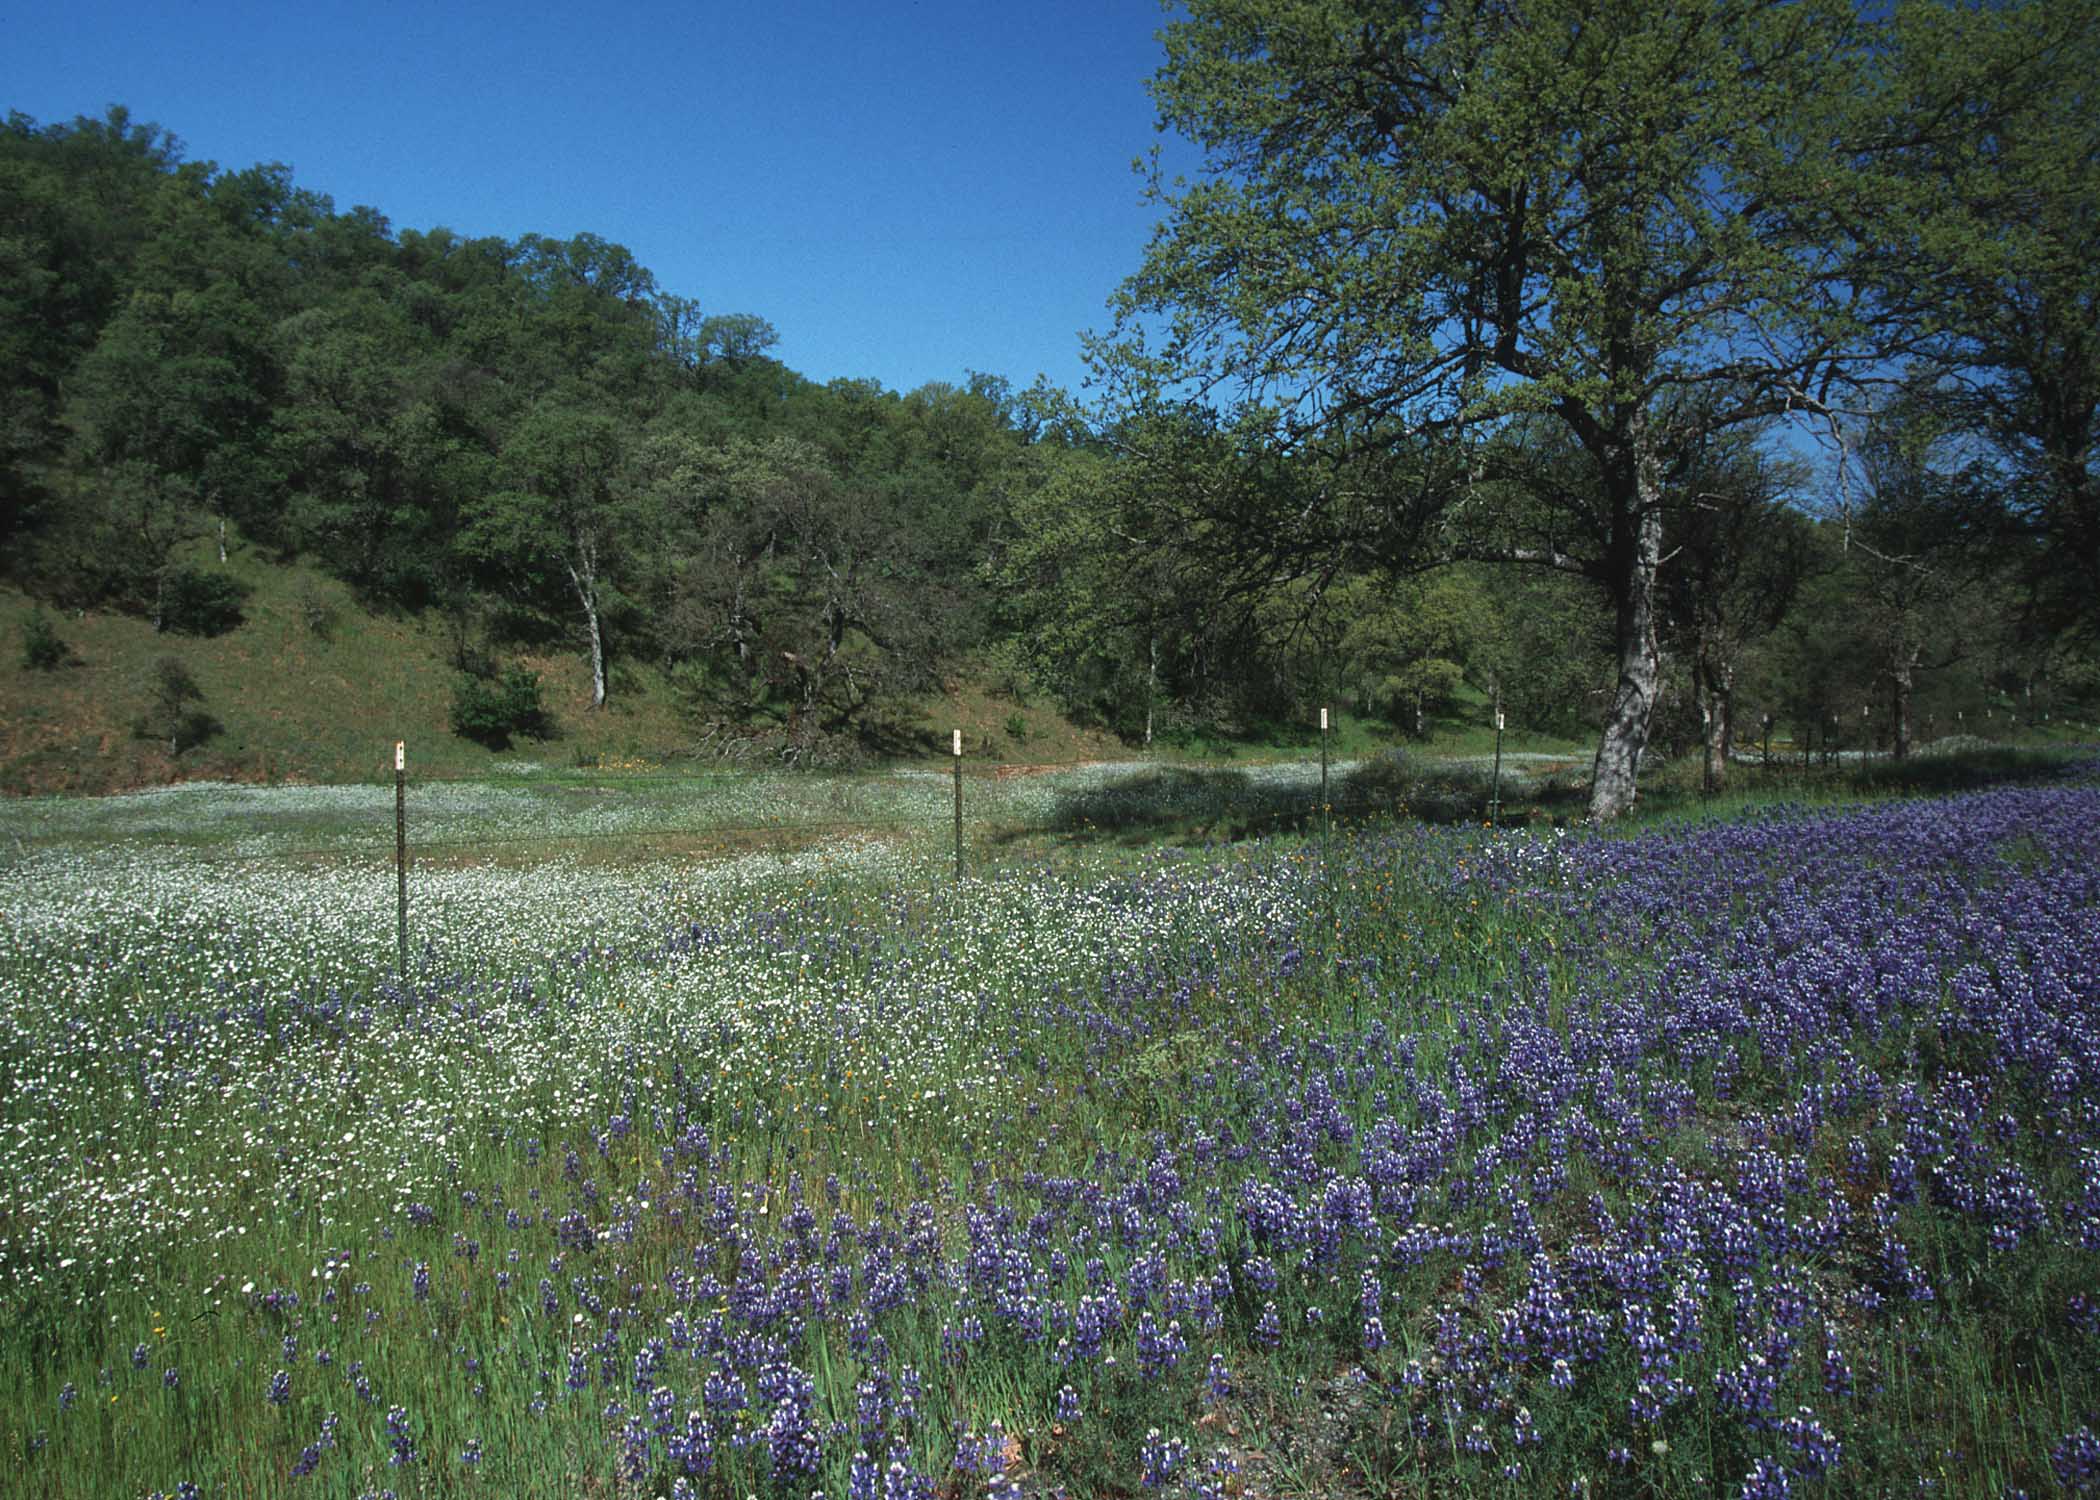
(1247, 817)
(1236, 815)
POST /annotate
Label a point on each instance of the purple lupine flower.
(1837, 1371)
(1268, 1329)
(693, 1449)
(398, 1434)
(1767, 1480)
(1814, 1447)
(862, 1478)
(900, 1481)
(1159, 1349)
(792, 1444)
(1524, 1431)
(1160, 1458)
(1217, 1473)
(2076, 1461)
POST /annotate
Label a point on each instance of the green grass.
(303, 1141)
(291, 702)
(195, 1126)
(311, 687)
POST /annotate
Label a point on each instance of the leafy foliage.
(1460, 287)
(175, 707)
(43, 648)
(195, 601)
(492, 708)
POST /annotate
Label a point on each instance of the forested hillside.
(260, 453)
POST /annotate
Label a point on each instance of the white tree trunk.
(1151, 686)
(1615, 776)
(597, 657)
(585, 578)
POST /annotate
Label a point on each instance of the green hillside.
(313, 687)
(441, 459)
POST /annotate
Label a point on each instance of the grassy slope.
(293, 703)
(296, 704)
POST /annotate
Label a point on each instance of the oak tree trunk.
(585, 579)
(1901, 682)
(1636, 557)
(1717, 719)
(1151, 684)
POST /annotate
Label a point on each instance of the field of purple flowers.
(1752, 1157)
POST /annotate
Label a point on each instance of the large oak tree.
(1420, 222)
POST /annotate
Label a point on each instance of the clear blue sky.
(906, 190)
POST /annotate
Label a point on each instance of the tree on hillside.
(566, 516)
(1550, 659)
(1092, 599)
(587, 313)
(73, 210)
(795, 590)
(1418, 222)
(163, 409)
(1407, 648)
(377, 447)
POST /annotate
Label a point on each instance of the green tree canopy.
(1419, 222)
(1988, 259)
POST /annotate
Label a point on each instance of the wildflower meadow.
(1749, 1155)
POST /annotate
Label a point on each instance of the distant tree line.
(1394, 418)
(529, 439)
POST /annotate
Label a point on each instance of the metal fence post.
(1495, 802)
(401, 856)
(1323, 772)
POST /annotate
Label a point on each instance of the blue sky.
(905, 190)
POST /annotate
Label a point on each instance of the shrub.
(175, 711)
(490, 708)
(199, 603)
(318, 611)
(43, 650)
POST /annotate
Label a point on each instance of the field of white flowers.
(195, 1054)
